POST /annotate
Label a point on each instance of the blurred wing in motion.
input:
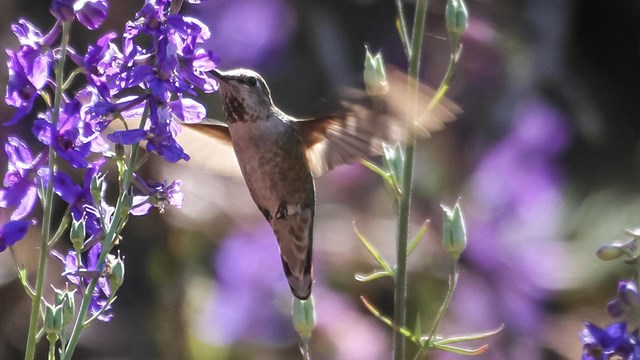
(365, 123)
(207, 143)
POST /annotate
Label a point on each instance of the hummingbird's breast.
(273, 163)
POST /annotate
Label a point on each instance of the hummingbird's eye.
(251, 81)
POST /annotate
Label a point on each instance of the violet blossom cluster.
(620, 339)
(147, 74)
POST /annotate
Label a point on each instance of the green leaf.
(376, 274)
(373, 251)
(418, 236)
(22, 277)
(394, 159)
(463, 338)
(463, 351)
(404, 331)
(64, 223)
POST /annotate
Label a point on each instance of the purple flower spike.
(11, 232)
(614, 341)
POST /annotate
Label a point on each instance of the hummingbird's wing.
(208, 143)
(364, 123)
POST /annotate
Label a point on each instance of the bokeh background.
(546, 158)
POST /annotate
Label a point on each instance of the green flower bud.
(52, 320)
(454, 233)
(68, 307)
(457, 19)
(66, 301)
(97, 188)
(116, 274)
(304, 317)
(375, 77)
(609, 252)
(77, 234)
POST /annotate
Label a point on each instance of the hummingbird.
(279, 155)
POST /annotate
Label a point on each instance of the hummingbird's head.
(245, 95)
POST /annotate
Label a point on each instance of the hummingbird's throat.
(235, 110)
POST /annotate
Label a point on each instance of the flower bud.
(375, 77)
(609, 252)
(77, 234)
(62, 9)
(454, 234)
(457, 19)
(68, 307)
(97, 188)
(304, 317)
(52, 320)
(116, 275)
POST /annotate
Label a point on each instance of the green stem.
(47, 204)
(400, 298)
(402, 24)
(453, 282)
(107, 244)
(52, 350)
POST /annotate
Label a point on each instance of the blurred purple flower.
(12, 232)
(611, 343)
(513, 225)
(252, 301)
(271, 28)
(22, 178)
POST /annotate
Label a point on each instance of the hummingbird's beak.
(221, 76)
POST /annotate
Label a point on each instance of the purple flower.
(29, 67)
(615, 340)
(77, 133)
(81, 199)
(156, 194)
(22, 177)
(80, 275)
(28, 73)
(11, 232)
(90, 13)
(105, 65)
(628, 299)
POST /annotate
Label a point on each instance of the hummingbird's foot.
(282, 211)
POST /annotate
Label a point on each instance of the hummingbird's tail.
(295, 240)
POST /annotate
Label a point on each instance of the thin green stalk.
(453, 283)
(400, 298)
(47, 204)
(402, 28)
(52, 350)
(108, 241)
